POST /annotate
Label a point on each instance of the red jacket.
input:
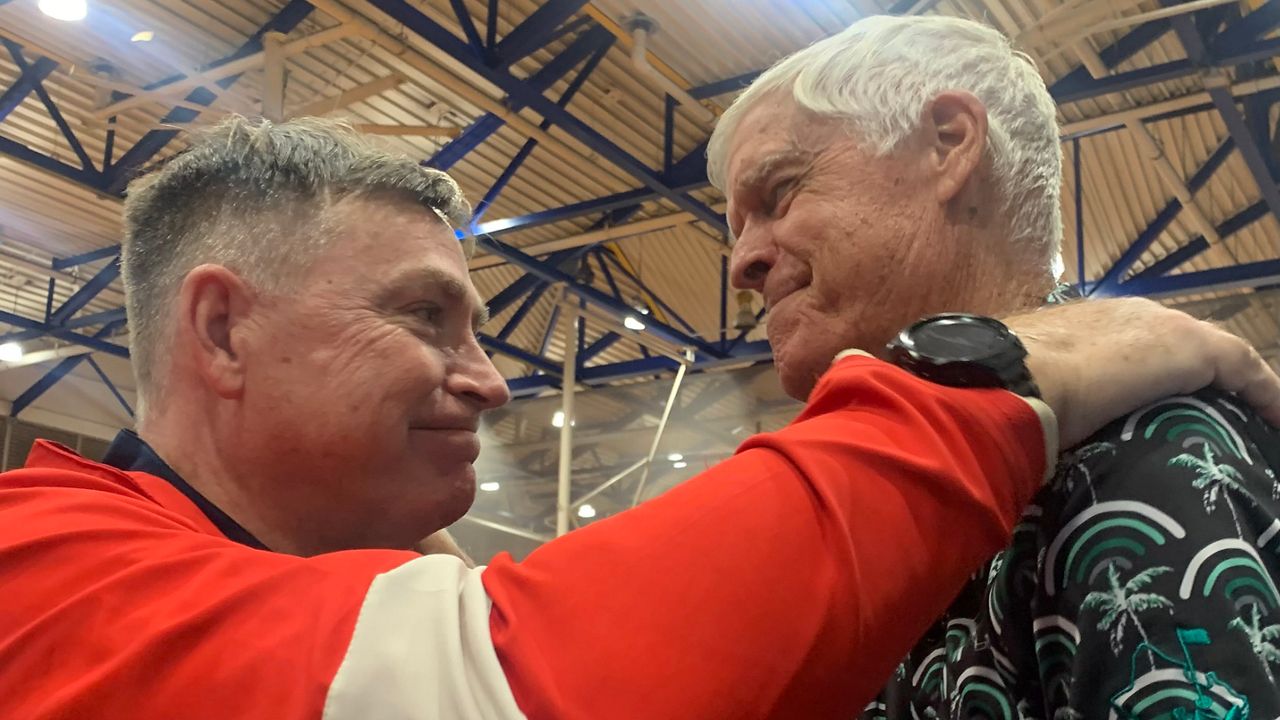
(784, 582)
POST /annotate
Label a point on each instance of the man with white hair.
(910, 166)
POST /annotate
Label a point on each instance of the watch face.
(960, 338)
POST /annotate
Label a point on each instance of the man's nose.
(475, 378)
(752, 259)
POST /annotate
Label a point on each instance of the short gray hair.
(252, 196)
(879, 73)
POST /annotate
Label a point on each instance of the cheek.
(364, 371)
(398, 369)
(860, 263)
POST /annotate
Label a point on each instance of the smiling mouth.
(769, 305)
(460, 439)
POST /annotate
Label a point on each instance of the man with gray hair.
(910, 166)
(305, 343)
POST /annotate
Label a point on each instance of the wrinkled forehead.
(376, 240)
(767, 130)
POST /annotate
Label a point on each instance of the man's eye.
(779, 193)
(430, 314)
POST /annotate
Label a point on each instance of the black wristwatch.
(960, 350)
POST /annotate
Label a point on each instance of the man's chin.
(435, 502)
(799, 364)
(798, 385)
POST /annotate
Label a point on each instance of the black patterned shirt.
(1140, 584)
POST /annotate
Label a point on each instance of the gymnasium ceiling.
(539, 109)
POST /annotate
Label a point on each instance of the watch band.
(1003, 365)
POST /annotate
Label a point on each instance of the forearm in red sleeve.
(786, 581)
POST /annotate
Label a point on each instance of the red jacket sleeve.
(786, 581)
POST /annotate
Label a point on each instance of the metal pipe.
(610, 482)
(662, 424)
(8, 441)
(506, 529)
(566, 431)
(626, 41)
(641, 27)
(1079, 192)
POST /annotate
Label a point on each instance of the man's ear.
(214, 305)
(955, 126)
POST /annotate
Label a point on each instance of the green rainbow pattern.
(1104, 604)
(1119, 531)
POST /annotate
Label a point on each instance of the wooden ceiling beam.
(326, 105)
(235, 67)
(617, 232)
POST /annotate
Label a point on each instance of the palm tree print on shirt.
(1121, 604)
(1261, 639)
(1216, 479)
(1107, 550)
(1075, 467)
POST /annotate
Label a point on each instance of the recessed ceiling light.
(10, 352)
(680, 465)
(586, 510)
(675, 457)
(490, 486)
(143, 36)
(66, 10)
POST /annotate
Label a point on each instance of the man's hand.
(1095, 361)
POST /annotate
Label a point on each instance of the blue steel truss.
(754, 352)
(1217, 38)
(526, 35)
(111, 180)
(155, 140)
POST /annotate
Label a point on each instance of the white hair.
(879, 74)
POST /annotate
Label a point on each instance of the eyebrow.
(757, 175)
(452, 287)
(770, 164)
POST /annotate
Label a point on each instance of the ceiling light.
(143, 36)
(557, 420)
(490, 486)
(680, 465)
(10, 352)
(675, 457)
(631, 322)
(586, 510)
(66, 10)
